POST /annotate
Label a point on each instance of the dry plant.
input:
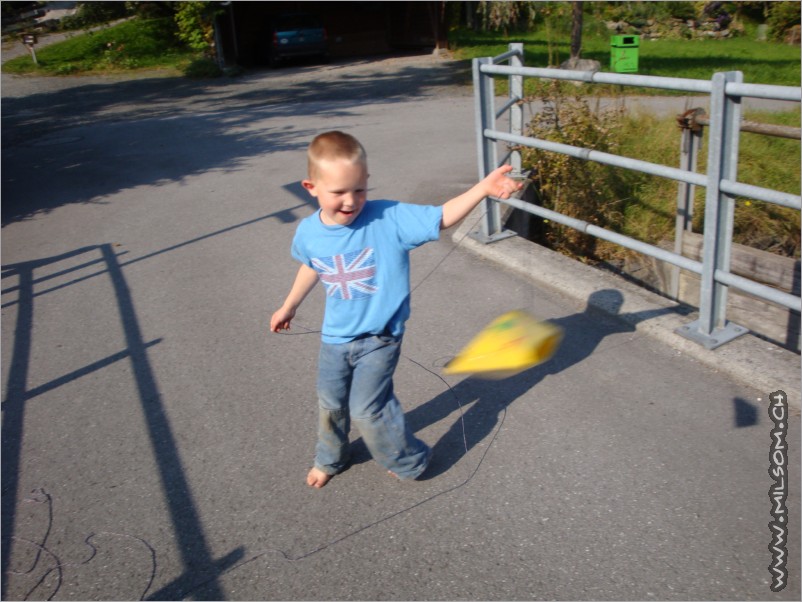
(578, 188)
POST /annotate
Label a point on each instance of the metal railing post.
(484, 117)
(712, 328)
(516, 110)
(484, 101)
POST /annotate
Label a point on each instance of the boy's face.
(340, 187)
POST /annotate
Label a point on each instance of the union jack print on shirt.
(351, 275)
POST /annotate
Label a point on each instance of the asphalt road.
(156, 436)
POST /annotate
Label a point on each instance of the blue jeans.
(355, 384)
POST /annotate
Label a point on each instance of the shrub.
(203, 68)
(195, 21)
(782, 17)
(581, 189)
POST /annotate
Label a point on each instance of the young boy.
(360, 250)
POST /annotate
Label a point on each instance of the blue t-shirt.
(365, 265)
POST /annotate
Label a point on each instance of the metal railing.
(726, 90)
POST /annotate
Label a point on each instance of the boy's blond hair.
(334, 145)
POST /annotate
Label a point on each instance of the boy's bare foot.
(317, 478)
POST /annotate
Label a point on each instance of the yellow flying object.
(508, 345)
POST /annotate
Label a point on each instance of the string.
(58, 567)
(447, 255)
(287, 557)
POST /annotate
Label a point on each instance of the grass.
(645, 206)
(771, 163)
(132, 45)
(761, 62)
(764, 161)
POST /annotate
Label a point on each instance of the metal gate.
(726, 90)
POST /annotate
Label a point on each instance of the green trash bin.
(624, 53)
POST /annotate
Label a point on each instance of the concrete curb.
(748, 359)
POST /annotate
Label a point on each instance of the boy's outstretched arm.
(495, 184)
(305, 281)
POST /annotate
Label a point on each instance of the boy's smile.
(340, 187)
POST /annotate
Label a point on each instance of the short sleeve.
(297, 249)
(418, 224)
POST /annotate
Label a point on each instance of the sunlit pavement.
(156, 436)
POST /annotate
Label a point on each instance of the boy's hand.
(304, 282)
(281, 319)
(497, 183)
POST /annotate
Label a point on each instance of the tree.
(195, 21)
(437, 18)
(503, 15)
(576, 30)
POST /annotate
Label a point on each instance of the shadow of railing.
(199, 565)
(285, 216)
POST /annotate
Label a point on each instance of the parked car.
(296, 35)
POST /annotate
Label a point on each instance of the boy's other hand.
(281, 320)
(499, 185)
